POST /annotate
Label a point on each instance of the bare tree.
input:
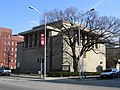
(94, 29)
(7, 56)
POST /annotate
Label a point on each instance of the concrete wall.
(27, 59)
(113, 55)
(95, 59)
(57, 53)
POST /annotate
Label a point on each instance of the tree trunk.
(75, 66)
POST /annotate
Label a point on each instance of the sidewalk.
(26, 76)
(55, 78)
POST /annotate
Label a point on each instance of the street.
(18, 83)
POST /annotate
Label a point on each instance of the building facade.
(31, 52)
(8, 48)
(113, 57)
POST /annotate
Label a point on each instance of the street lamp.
(45, 18)
(81, 64)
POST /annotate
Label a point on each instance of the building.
(8, 48)
(113, 57)
(31, 51)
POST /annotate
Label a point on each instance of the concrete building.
(32, 49)
(8, 48)
(113, 57)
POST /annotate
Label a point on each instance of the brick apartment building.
(8, 48)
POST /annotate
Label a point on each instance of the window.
(15, 49)
(4, 54)
(9, 36)
(5, 42)
(12, 49)
(1, 64)
(14, 67)
(8, 42)
(4, 60)
(4, 48)
(5, 36)
(12, 60)
(12, 43)
(11, 67)
(12, 54)
(8, 49)
(15, 55)
(66, 67)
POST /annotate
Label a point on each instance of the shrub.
(63, 74)
(67, 74)
(92, 73)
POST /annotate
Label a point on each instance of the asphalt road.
(17, 83)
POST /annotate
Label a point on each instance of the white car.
(5, 71)
(110, 73)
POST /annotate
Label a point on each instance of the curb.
(55, 78)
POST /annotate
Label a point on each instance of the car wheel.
(111, 76)
(118, 76)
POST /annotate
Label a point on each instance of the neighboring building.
(32, 49)
(113, 57)
(8, 48)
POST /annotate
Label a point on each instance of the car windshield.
(108, 70)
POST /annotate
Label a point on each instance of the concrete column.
(38, 39)
(25, 41)
(33, 39)
(28, 40)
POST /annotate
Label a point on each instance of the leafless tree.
(94, 29)
(7, 56)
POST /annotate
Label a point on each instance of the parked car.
(5, 71)
(110, 73)
(119, 73)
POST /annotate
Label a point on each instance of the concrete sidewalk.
(54, 78)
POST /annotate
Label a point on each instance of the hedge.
(67, 74)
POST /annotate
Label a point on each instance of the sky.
(16, 15)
